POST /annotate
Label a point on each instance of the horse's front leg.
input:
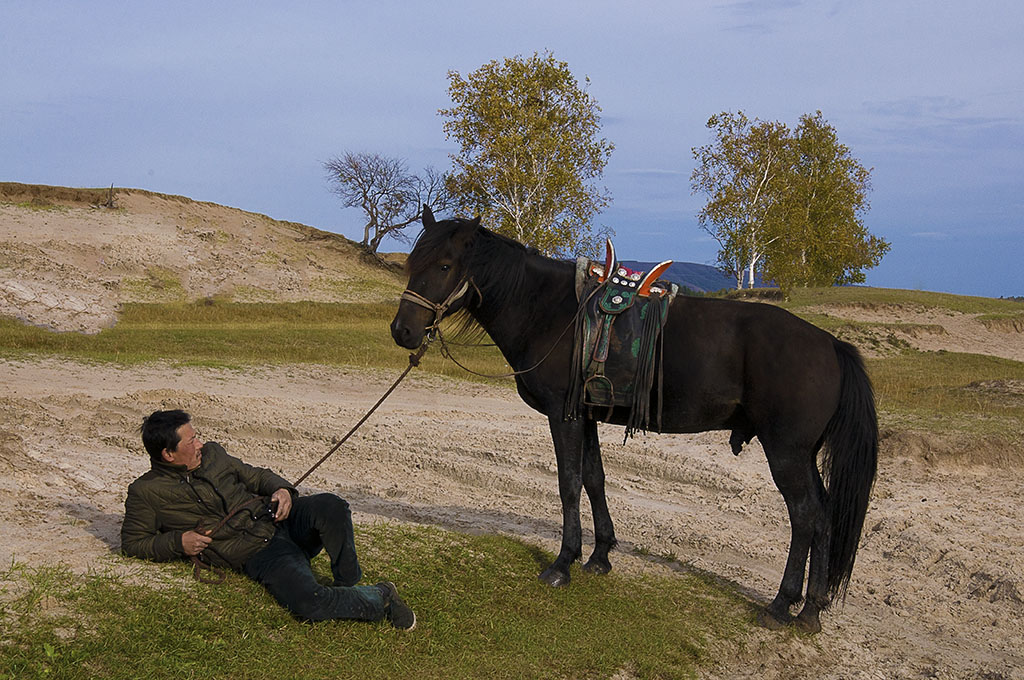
(568, 439)
(593, 482)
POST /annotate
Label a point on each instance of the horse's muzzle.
(404, 336)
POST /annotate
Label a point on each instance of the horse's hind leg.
(593, 482)
(817, 573)
(568, 438)
(794, 475)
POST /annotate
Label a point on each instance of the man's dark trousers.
(318, 522)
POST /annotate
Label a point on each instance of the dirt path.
(938, 590)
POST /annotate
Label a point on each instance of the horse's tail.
(850, 461)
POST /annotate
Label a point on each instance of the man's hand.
(284, 504)
(193, 542)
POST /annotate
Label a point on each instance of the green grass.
(159, 285)
(860, 295)
(375, 289)
(215, 333)
(949, 392)
(481, 613)
(41, 205)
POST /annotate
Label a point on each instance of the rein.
(434, 330)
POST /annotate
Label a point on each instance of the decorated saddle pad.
(618, 339)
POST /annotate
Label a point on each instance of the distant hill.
(700, 278)
(69, 257)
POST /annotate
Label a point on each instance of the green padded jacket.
(168, 500)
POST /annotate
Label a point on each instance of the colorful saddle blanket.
(617, 346)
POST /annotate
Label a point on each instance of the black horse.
(751, 368)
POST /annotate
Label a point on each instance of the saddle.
(618, 343)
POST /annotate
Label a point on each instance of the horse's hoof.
(772, 622)
(554, 577)
(808, 623)
(594, 566)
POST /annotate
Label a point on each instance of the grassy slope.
(858, 295)
(235, 334)
(481, 613)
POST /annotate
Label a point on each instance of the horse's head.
(439, 282)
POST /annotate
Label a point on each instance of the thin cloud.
(916, 107)
(652, 172)
(759, 15)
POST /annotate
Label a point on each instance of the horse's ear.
(466, 231)
(428, 217)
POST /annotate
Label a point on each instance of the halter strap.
(438, 308)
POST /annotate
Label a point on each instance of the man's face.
(187, 452)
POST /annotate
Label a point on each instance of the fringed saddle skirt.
(618, 343)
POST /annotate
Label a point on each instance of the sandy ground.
(70, 267)
(931, 330)
(937, 592)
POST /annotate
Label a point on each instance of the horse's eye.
(445, 267)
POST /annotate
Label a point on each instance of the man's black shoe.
(397, 612)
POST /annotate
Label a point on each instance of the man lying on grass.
(200, 503)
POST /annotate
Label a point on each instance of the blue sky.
(241, 103)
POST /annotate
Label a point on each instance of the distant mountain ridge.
(700, 278)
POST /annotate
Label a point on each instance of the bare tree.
(390, 197)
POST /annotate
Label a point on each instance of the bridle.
(434, 329)
(439, 308)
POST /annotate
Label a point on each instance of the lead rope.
(197, 563)
(414, 360)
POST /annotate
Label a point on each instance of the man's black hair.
(160, 431)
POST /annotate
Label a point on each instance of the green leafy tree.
(744, 176)
(390, 197)
(786, 205)
(529, 152)
(824, 241)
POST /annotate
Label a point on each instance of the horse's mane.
(496, 263)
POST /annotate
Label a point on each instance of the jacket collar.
(166, 468)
